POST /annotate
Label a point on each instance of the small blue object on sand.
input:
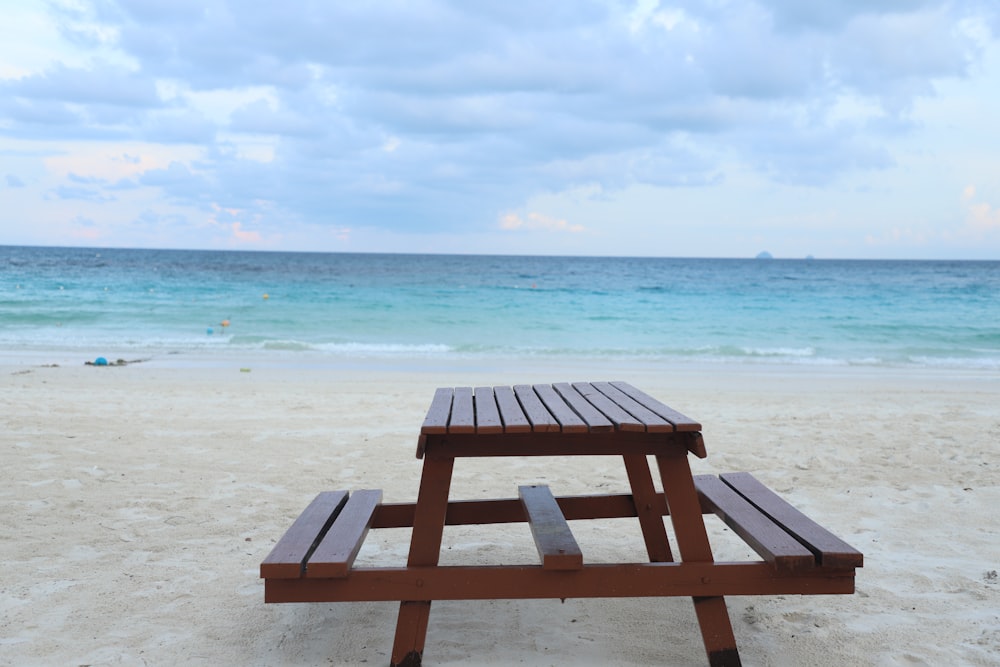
(100, 361)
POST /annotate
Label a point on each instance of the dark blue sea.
(204, 305)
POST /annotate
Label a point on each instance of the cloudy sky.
(842, 128)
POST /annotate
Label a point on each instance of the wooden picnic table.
(314, 561)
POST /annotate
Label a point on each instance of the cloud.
(79, 193)
(984, 217)
(103, 84)
(181, 126)
(438, 115)
(537, 222)
(176, 175)
(84, 228)
(243, 235)
(85, 180)
(25, 115)
(14, 182)
(981, 217)
(260, 117)
(834, 15)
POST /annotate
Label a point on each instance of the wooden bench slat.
(436, 420)
(511, 413)
(335, 554)
(541, 419)
(830, 550)
(592, 417)
(463, 416)
(556, 545)
(288, 557)
(654, 423)
(680, 422)
(621, 418)
(487, 412)
(569, 420)
(765, 536)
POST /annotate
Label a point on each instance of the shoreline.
(405, 362)
(143, 498)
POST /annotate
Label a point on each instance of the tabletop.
(607, 411)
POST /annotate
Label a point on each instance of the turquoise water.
(122, 303)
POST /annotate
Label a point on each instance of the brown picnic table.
(314, 560)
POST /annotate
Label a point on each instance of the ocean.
(211, 306)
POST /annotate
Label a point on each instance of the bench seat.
(776, 530)
(325, 539)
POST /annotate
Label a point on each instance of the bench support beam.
(650, 507)
(425, 550)
(532, 582)
(692, 541)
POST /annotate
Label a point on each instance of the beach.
(140, 499)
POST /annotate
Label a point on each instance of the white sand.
(138, 501)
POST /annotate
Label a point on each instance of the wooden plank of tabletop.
(595, 419)
(436, 420)
(487, 413)
(653, 422)
(621, 418)
(511, 413)
(542, 421)
(463, 416)
(680, 422)
(569, 420)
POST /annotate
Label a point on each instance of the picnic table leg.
(646, 501)
(425, 549)
(692, 541)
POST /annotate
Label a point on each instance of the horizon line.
(763, 256)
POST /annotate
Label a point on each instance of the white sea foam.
(780, 351)
(384, 349)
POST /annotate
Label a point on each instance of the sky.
(716, 128)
